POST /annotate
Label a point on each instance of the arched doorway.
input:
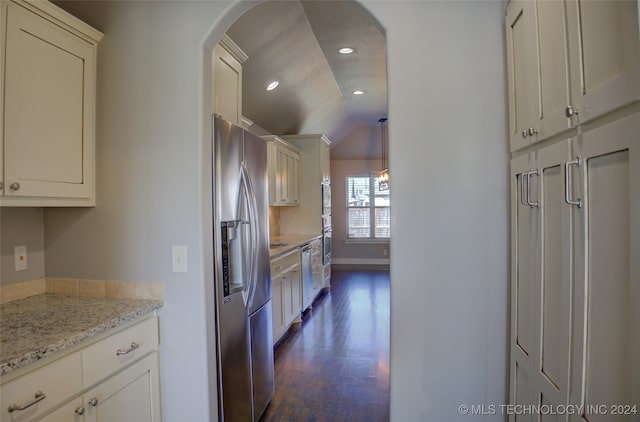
(363, 129)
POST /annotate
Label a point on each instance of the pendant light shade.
(383, 175)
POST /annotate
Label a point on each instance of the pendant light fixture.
(383, 175)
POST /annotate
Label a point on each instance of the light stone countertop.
(38, 326)
(292, 241)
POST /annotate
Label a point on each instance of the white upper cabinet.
(568, 62)
(605, 56)
(521, 71)
(48, 79)
(283, 166)
(227, 80)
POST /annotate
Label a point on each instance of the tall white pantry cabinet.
(574, 111)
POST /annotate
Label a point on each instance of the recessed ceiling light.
(272, 85)
(358, 92)
(346, 50)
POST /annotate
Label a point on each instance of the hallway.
(335, 366)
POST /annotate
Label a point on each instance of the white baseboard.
(360, 261)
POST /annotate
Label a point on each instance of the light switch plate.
(179, 259)
(20, 256)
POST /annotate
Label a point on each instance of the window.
(367, 218)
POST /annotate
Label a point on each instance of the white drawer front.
(57, 381)
(119, 350)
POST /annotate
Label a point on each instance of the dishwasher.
(307, 278)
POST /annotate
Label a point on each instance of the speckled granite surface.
(35, 327)
(292, 241)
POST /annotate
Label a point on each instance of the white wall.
(449, 253)
(446, 125)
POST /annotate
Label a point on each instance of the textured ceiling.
(297, 43)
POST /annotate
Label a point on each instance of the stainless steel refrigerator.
(242, 273)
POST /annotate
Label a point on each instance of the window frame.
(372, 207)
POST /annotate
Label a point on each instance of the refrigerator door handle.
(251, 222)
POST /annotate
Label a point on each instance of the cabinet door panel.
(608, 335)
(228, 85)
(48, 117)
(605, 55)
(553, 67)
(607, 369)
(520, 72)
(131, 395)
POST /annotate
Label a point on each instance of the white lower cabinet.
(286, 292)
(114, 379)
(575, 331)
(130, 395)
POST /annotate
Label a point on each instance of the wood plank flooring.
(335, 365)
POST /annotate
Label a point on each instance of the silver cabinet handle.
(93, 402)
(522, 190)
(567, 183)
(570, 111)
(524, 133)
(14, 186)
(39, 396)
(531, 204)
(80, 410)
(532, 131)
(133, 347)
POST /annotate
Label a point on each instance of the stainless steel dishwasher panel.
(307, 278)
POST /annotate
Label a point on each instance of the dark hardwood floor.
(335, 365)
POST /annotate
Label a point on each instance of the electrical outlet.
(179, 259)
(20, 257)
(385, 252)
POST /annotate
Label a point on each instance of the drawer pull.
(133, 347)
(93, 402)
(39, 396)
(80, 410)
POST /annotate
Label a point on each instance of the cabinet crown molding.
(233, 49)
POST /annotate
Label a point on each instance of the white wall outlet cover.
(20, 256)
(179, 259)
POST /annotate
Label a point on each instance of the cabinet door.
(287, 303)
(606, 370)
(296, 293)
(553, 310)
(605, 55)
(131, 395)
(325, 156)
(278, 307)
(521, 68)
(282, 176)
(227, 77)
(525, 276)
(293, 182)
(552, 68)
(49, 96)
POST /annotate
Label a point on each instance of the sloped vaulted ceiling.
(296, 43)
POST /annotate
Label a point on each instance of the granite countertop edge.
(293, 241)
(14, 363)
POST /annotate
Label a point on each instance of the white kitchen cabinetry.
(286, 292)
(316, 266)
(568, 62)
(315, 170)
(227, 80)
(283, 164)
(113, 379)
(48, 90)
(575, 332)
